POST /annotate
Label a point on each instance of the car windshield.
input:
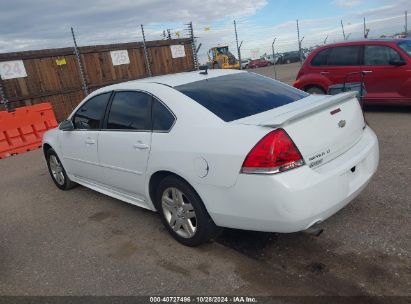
(405, 46)
(240, 95)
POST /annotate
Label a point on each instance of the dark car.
(289, 58)
(385, 63)
(258, 63)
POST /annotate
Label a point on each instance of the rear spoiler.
(295, 115)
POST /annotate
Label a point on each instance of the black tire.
(315, 90)
(67, 183)
(205, 229)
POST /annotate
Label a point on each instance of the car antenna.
(204, 69)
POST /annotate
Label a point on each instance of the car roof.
(177, 79)
(364, 41)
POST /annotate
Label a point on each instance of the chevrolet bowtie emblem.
(341, 123)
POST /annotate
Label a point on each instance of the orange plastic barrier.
(23, 129)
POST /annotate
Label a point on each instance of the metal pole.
(299, 44)
(80, 65)
(3, 99)
(146, 53)
(342, 26)
(406, 23)
(236, 40)
(275, 70)
(365, 29)
(193, 45)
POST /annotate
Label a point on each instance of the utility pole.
(146, 53)
(193, 45)
(80, 65)
(275, 70)
(342, 26)
(406, 23)
(299, 44)
(236, 41)
(365, 29)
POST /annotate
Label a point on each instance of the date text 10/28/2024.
(204, 299)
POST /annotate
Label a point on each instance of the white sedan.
(219, 149)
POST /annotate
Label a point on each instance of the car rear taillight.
(274, 153)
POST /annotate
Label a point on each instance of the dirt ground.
(80, 242)
(285, 72)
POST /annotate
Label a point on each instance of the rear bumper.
(293, 201)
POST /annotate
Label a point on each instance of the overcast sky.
(26, 25)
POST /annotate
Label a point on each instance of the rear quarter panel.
(200, 135)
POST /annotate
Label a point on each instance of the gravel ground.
(80, 242)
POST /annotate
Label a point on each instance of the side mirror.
(66, 125)
(397, 62)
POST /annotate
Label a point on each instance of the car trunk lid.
(322, 127)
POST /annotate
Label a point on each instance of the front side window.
(344, 56)
(91, 113)
(130, 111)
(239, 95)
(161, 117)
(405, 46)
(379, 55)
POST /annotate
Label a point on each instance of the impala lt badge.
(341, 123)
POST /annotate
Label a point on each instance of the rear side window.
(321, 58)
(236, 96)
(162, 118)
(130, 111)
(379, 55)
(344, 55)
(91, 113)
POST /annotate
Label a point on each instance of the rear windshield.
(236, 96)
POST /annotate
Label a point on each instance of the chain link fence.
(292, 41)
(64, 76)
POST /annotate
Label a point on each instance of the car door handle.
(366, 72)
(90, 141)
(140, 145)
(324, 72)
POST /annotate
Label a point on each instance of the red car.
(386, 65)
(258, 63)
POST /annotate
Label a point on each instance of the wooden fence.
(53, 75)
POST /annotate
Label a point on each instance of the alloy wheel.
(56, 170)
(179, 212)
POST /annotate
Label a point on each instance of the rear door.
(124, 143)
(384, 81)
(79, 146)
(341, 61)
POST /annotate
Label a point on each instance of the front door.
(124, 143)
(79, 146)
(383, 80)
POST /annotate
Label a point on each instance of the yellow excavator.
(220, 57)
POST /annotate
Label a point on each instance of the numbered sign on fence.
(12, 69)
(255, 54)
(177, 51)
(119, 57)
